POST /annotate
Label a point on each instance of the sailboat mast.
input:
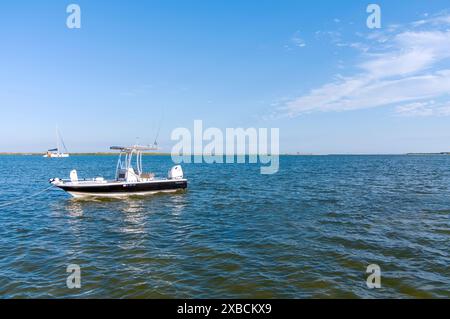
(57, 140)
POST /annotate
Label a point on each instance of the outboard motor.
(175, 172)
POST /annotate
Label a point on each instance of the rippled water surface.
(308, 231)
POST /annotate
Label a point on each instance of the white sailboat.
(55, 152)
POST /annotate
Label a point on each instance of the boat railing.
(95, 179)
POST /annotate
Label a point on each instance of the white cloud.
(426, 108)
(334, 36)
(409, 69)
(416, 109)
(367, 92)
(297, 40)
(441, 19)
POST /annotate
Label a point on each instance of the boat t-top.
(129, 179)
(56, 152)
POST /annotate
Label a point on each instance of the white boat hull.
(119, 189)
(60, 155)
(119, 195)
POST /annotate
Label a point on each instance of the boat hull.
(60, 155)
(124, 189)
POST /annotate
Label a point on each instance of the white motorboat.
(128, 181)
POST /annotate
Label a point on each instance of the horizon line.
(280, 154)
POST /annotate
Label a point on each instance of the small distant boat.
(129, 180)
(55, 152)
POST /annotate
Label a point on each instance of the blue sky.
(311, 68)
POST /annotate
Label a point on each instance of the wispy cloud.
(140, 90)
(404, 66)
(297, 41)
(428, 108)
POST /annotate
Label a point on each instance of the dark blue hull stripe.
(127, 188)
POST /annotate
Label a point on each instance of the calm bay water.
(308, 231)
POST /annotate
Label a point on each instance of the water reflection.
(70, 212)
(74, 208)
(134, 215)
(178, 203)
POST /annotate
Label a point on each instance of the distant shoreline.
(441, 153)
(77, 154)
(168, 154)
